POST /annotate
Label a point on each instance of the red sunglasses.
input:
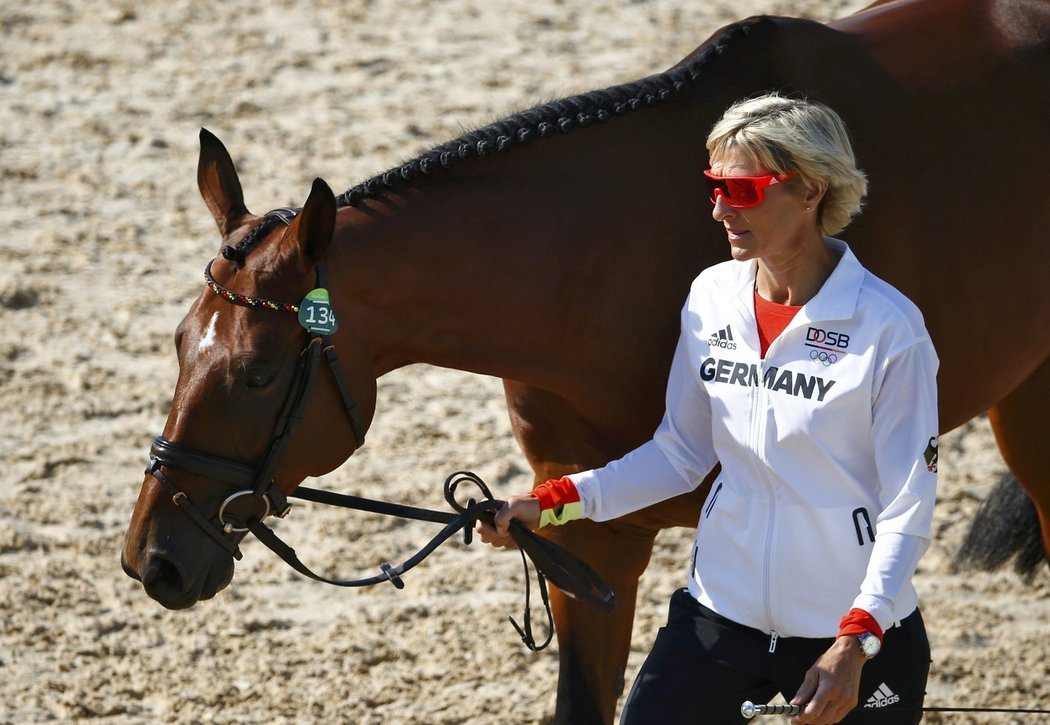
(742, 192)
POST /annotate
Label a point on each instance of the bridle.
(256, 482)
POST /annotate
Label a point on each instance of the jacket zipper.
(757, 446)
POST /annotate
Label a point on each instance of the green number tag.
(316, 314)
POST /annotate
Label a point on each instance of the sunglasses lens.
(739, 193)
(716, 188)
(743, 192)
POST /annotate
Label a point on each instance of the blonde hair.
(783, 135)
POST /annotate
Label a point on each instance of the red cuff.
(859, 622)
(556, 492)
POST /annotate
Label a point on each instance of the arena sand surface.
(105, 239)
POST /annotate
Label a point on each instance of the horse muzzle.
(167, 582)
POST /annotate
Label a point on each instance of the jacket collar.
(836, 299)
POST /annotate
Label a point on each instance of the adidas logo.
(883, 697)
(723, 339)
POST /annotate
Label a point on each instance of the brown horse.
(577, 227)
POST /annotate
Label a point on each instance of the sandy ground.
(105, 237)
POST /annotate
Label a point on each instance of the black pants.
(703, 667)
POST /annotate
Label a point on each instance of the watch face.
(869, 644)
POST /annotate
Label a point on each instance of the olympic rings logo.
(824, 358)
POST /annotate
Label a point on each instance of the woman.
(813, 383)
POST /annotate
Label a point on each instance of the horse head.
(253, 413)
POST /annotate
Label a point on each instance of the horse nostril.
(163, 581)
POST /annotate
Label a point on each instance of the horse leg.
(592, 647)
(1020, 421)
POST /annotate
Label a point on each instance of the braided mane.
(239, 251)
(560, 116)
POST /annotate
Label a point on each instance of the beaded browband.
(247, 301)
(237, 253)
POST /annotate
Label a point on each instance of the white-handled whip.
(750, 709)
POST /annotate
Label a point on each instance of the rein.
(256, 483)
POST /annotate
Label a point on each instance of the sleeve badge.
(930, 455)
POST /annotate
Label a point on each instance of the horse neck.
(576, 242)
(458, 277)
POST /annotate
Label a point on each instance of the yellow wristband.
(561, 515)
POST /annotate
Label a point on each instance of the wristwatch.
(869, 644)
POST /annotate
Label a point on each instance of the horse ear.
(219, 185)
(314, 225)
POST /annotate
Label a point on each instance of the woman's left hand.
(832, 684)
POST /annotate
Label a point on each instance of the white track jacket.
(828, 452)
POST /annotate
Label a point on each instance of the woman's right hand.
(525, 509)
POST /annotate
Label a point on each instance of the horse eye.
(260, 379)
